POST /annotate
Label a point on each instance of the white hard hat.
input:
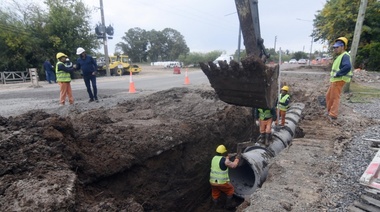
(80, 50)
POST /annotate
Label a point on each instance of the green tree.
(164, 45)
(68, 26)
(300, 55)
(194, 58)
(369, 56)
(14, 41)
(243, 54)
(30, 34)
(338, 18)
(135, 45)
(174, 44)
(155, 45)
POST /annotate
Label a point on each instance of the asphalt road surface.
(18, 98)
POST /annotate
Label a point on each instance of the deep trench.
(174, 177)
(164, 183)
(161, 184)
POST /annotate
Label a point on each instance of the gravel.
(353, 162)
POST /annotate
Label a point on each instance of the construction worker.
(49, 71)
(64, 78)
(219, 179)
(89, 68)
(264, 118)
(283, 104)
(340, 74)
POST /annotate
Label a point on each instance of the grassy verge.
(363, 94)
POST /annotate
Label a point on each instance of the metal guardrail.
(14, 76)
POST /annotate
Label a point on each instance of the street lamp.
(312, 39)
(108, 72)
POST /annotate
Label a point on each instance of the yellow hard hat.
(285, 88)
(344, 40)
(221, 149)
(60, 54)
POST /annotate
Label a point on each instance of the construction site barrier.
(132, 88)
(14, 76)
(253, 168)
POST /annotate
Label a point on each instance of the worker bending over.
(219, 178)
(283, 104)
(265, 117)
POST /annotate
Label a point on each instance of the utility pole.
(358, 30)
(275, 40)
(356, 38)
(311, 46)
(239, 42)
(105, 40)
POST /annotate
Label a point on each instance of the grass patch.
(363, 94)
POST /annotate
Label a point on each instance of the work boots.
(229, 203)
(267, 139)
(214, 204)
(261, 138)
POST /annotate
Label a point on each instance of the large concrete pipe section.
(253, 169)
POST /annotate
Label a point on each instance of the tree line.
(31, 33)
(141, 45)
(338, 18)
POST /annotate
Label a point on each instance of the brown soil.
(153, 153)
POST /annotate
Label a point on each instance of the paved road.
(18, 98)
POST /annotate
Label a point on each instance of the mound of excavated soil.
(149, 154)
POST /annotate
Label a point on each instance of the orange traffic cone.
(187, 81)
(131, 84)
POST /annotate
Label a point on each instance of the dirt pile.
(149, 154)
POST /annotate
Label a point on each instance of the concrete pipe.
(253, 169)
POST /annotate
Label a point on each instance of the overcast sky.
(213, 24)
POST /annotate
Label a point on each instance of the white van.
(226, 58)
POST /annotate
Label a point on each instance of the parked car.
(302, 61)
(293, 61)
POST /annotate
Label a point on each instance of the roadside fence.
(15, 76)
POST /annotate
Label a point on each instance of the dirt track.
(153, 153)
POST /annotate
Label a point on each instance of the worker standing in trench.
(264, 118)
(283, 105)
(219, 178)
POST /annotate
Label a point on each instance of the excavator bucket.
(252, 84)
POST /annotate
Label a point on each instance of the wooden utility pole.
(356, 38)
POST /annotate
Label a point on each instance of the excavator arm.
(250, 83)
(248, 12)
